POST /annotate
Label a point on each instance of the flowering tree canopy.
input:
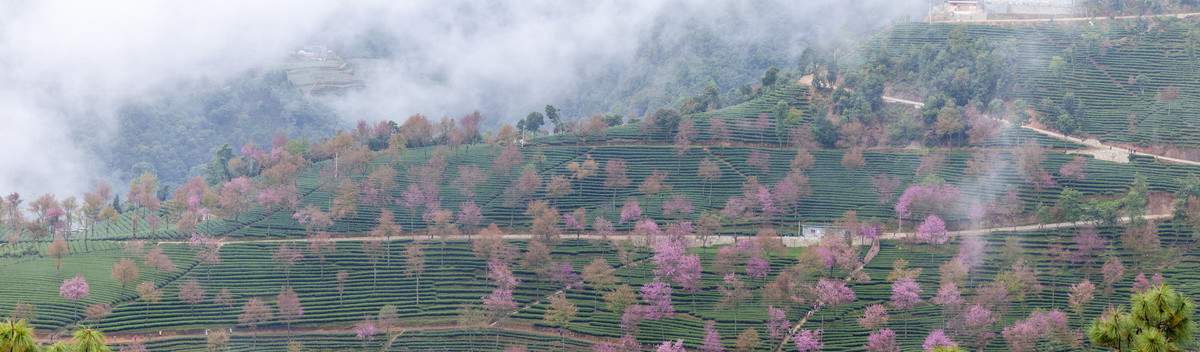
(75, 288)
(808, 340)
(933, 231)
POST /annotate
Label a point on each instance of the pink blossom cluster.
(75, 288)
(808, 340)
(938, 339)
(657, 295)
(1025, 334)
(923, 199)
(630, 211)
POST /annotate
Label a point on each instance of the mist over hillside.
(72, 68)
(707, 176)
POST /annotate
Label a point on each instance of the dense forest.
(174, 136)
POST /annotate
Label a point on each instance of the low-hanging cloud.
(66, 66)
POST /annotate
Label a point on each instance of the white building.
(817, 232)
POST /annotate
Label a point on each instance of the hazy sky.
(71, 63)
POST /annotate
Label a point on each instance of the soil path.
(1095, 147)
(698, 241)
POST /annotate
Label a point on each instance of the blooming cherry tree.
(882, 341)
(712, 339)
(631, 211)
(938, 339)
(808, 340)
(933, 231)
(74, 289)
(657, 295)
(874, 316)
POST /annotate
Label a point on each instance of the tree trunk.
(735, 319)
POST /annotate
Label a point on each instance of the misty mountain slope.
(174, 136)
(455, 276)
(644, 153)
(676, 61)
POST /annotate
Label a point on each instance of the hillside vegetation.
(1131, 82)
(664, 232)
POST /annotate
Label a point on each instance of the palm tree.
(90, 340)
(58, 347)
(15, 336)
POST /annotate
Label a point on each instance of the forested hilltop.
(172, 134)
(175, 135)
(903, 192)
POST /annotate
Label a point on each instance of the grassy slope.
(1098, 73)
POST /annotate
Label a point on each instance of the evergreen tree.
(1160, 320)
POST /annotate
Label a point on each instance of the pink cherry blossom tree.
(919, 201)
(657, 296)
(874, 316)
(808, 340)
(786, 193)
(777, 323)
(1024, 335)
(1140, 283)
(758, 267)
(933, 231)
(949, 298)
(976, 326)
(615, 176)
(1113, 271)
(631, 317)
(469, 176)
(208, 250)
(832, 293)
(668, 346)
(287, 257)
(718, 131)
(290, 308)
(1081, 294)
(631, 211)
(469, 217)
(882, 341)
(712, 339)
(191, 292)
(499, 304)
(603, 227)
(759, 159)
(1074, 169)
(906, 293)
(365, 330)
(564, 274)
(970, 251)
(1088, 246)
(159, 261)
(733, 295)
(886, 187)
(74, 289)
(501, 274)
(938, 339)
(678, 206)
